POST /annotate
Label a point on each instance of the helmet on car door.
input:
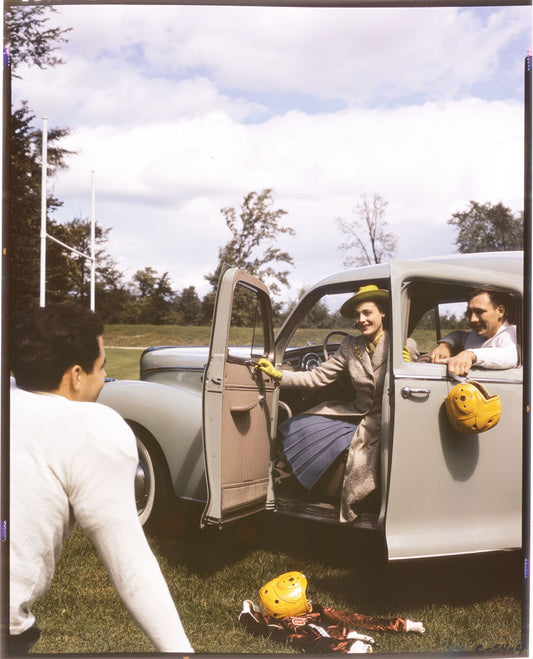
(471, 409)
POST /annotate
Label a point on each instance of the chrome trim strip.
(158, 369)
(498, 381)
(192, 500)
(456, 553)
(439, 378)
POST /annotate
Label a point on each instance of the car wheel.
(153, 489)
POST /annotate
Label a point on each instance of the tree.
(318, 316)
(156, 299)
(29, 41)
(74, 272)
(145, 281)
(28, 38)
(24, 207)
(255, 231)
(488, 228)
(368, 240)
(189, 306)
(256, 225)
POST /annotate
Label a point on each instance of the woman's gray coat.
(367, 375)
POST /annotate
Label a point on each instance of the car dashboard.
(303, 358)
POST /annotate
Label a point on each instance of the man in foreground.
(490, 344)
(74, 460)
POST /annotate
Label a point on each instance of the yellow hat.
(370, 292)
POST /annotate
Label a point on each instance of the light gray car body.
(206, 419)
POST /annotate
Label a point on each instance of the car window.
(437, 322)
(248, 322)
(435, 309)
(314, 322)
(320, 319)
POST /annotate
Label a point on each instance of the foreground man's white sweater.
(74, 461)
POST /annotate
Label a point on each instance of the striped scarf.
(371, 345)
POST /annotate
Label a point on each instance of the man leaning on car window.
(490, 344)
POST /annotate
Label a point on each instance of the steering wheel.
(326, 339)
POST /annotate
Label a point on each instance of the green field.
(468, 604)
(149, 335)
(175, 335)
(125, 343)
(143, 336)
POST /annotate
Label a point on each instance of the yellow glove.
(266, 366)
(406, 354)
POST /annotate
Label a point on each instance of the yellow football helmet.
(471, 408)
(285, 596)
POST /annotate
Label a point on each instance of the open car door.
(237, 400)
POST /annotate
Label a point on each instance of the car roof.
(510, 262)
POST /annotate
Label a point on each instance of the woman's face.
(368, 319)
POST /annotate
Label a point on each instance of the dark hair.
(497, 299)
(383, 307)
(51, 339)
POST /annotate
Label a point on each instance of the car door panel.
(237, 400)
(245, 419)
(451, 492)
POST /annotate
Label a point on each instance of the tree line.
(149, 297)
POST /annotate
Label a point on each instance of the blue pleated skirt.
(311, 443)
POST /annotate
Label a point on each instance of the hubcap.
(141, 486)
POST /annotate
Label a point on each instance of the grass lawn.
(175, 335)
(467, 604)
(125, 343)
(160, 335)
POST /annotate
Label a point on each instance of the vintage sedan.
(205, 418)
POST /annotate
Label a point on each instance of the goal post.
(45, 235)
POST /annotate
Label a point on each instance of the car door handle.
(247, 407)
(408, 392)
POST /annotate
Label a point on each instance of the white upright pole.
(93, 239)
(44, 166)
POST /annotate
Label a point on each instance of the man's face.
(485, 319)
(92, 383)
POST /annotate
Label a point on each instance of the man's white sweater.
(76, 461)
(498, 352)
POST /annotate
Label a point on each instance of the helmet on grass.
(285, 596)
(471, 408)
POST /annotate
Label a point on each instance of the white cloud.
(427, 161)
(134, 57)
(113, 93)
(175, 110)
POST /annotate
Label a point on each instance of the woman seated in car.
(312, 441)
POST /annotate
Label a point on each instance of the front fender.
(174, 418)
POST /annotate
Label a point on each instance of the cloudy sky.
(183, 110)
